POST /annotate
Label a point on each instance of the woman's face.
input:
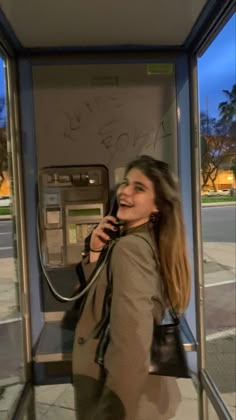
(136, 199)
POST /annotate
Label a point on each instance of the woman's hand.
(99, 238)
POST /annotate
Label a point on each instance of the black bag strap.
(178, 320)
(173, 313)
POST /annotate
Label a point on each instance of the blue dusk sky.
(216, 70)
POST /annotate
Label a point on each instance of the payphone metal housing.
(72, 200)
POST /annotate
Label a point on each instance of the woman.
(149, 206)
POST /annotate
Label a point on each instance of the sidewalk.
(63, 408)
(219, 203)
(219, 262)
(9, 307)
(57, 402)
(60, 404)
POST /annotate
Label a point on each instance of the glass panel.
(212, 415)
(217, 88)
(12, 376)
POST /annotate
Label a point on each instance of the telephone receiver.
(114, 206)
(113, 234)
(113, 210)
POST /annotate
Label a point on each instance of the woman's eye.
(138, 188)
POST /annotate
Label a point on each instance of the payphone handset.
(112, 212)
(72, 201)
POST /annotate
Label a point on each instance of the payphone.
(72, 201)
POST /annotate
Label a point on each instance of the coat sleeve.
(88, 267)
(135, 286)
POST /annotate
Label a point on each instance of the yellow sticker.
(155, 69)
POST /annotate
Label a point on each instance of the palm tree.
(227, 109)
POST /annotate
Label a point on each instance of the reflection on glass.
(218, 182)
(11, 336)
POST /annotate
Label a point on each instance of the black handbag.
(167, 356)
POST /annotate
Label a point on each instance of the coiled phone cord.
(91, 279)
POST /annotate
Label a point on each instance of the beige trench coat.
(123, 390)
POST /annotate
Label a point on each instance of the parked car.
(5, 201)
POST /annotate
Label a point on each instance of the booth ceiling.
(85, 23)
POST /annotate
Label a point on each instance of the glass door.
(14, 320)
(217, 91)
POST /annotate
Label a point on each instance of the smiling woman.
(149, 271)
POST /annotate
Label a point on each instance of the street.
(219, 224)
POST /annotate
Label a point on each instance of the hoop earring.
(154, 217)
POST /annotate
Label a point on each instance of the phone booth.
(114, 121)
(137, 110)
(86, 106)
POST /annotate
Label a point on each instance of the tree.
(218, 140)
(227, 109)
(216, 152)
(211, 126)
(233, 168)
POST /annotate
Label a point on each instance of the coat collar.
(138, 229)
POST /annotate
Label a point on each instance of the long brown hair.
(169, 230)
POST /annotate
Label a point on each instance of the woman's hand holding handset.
(100, 236)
